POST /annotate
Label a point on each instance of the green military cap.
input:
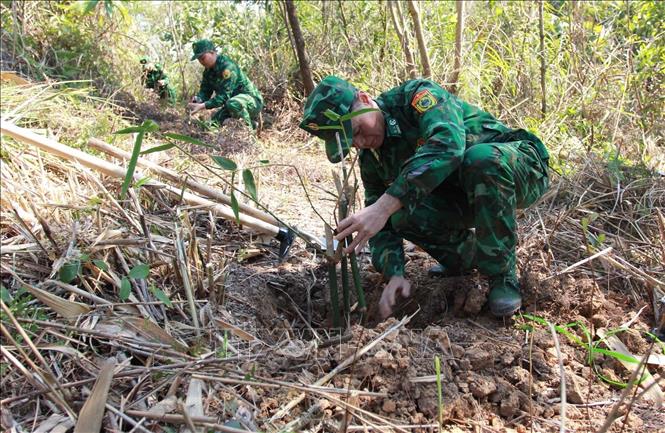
(202, 46)
(324, 110)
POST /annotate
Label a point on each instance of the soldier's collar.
(392, 126)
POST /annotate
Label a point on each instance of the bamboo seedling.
(332, 277)
(439, 393)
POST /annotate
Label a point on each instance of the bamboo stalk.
(332, 277)
(344, 264)
(355, 272)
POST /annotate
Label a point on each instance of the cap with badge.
(329, 101)
(201, 47)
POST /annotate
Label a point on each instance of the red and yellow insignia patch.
(226, 74)
(420, 142)
(423, 101)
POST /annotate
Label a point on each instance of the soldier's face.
(208, 59)
(368, 128)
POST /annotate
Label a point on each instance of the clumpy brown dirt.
(493, 373)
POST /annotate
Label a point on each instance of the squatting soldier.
(234, 92)
(155, 78)
(437, 171)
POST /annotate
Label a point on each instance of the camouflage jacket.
(152, 76)
(225, 80)
(427, 132)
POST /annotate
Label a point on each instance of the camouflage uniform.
(454, 168)
(151, 80)
(234, 92)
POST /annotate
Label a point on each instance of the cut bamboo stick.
(105, 167)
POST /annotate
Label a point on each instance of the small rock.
(599, 321)
(458, 351)
(479, 357)
(573, 389)
(510, 405)
(481, 387)
(389, 406)
(554, 356)
(475, 299)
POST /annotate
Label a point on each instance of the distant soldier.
(155, 78)
(235, 94)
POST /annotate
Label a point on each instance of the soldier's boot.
(504, 299)
(440, 271)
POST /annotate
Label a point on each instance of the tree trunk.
(396, 14)
(459, 41)
(543, 67)
(305, 71)
(422, 48)
(177, 37)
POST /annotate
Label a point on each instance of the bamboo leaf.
(125, 289)
(160, 295)
(101, 264)
(186, 139)
(5, 296)
(235, 206)
(153, 332)
(91, 415)
(130, 130)
(149, 126)
(158, 148)
(331, 115)
(63, 307)
(69, 271)
(132, 164)
(89, 6)
(248, 179)
(329, 127)
(139, 183)
(225, 163)
(139, 271)
(356, 113)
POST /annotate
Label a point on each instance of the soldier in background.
(155, 78)
(234, 94)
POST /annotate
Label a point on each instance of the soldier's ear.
(363, 98)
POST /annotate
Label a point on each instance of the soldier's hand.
(367, 222)
(195, 107)
(397, 284)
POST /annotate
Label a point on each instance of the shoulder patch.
(226, 74)
(423, 101)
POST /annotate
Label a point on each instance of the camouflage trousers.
(242, 106)
(167, 93)
(469, 221)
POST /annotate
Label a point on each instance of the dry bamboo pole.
(175, 177)
(105, 167)
(422, 46)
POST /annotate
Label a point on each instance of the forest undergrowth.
(147, 313)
